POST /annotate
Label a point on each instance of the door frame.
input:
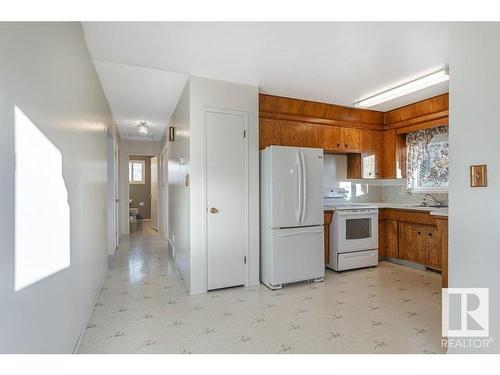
(158, 199)
(205, 215)
(129, 154)
(116, 197)
(163, 195)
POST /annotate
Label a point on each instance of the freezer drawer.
(297, 255)
(359, 259)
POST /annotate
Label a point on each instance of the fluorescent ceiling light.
(404, 89)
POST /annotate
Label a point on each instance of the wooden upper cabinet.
(332, 138)
(351, 139)
(372, 154)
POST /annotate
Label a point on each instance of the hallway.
(144, 308)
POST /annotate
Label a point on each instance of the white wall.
(334, 170)
(474, 241)
(230, 96)
(47, 73)
(178, 193)
(127, 148)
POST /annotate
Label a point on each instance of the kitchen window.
(136, 172)
(427, 158)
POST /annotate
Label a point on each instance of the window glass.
(427, 159)
(136, 171)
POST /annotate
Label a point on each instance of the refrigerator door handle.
(298, 232)
(303, 182)
(299, 182)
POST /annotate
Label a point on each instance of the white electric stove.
(353, 232)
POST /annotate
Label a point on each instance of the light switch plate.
(478, 176)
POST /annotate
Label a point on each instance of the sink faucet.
(436, 201)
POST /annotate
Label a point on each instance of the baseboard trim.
(79, 340)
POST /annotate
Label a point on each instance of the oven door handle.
(368, 214)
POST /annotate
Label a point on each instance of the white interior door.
(154, 192)
(226, 198)
(284, 179)
(312, 165)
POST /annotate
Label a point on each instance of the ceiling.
(143, 66)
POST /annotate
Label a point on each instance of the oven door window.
(358, 229)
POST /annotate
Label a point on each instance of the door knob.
(214, 210)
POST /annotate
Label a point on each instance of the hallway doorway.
(143, 191)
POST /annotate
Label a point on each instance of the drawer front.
(347, 261)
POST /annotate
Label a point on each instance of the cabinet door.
(372, 153)
(351, 139)
(391, 239)
(332, 138)
(433, 248)
(412, 242)
(381, 238)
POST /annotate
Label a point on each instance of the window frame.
(131, 172)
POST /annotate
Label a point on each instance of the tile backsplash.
(387, 191)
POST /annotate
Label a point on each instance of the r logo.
(465, 312)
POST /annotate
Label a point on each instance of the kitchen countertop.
(436, 211)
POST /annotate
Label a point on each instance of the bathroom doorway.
(143, 191)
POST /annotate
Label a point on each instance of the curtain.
(418, 154)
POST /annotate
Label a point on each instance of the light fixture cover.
(142, 128)
(404, 89)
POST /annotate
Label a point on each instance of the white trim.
(204, 189)
(79, 340)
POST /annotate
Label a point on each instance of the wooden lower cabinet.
(391, 239)
(420, 244)
(434, 246)
(412, 242)
(381, 238)
(414, 236)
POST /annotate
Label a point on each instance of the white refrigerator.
(291, 209)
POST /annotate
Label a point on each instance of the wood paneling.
(424, 114)
(327, 220)
(354, 166)
(277, 107)
(338, 129)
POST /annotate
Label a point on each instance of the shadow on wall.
(42, 212)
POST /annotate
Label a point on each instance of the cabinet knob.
(345, 145)
(419, 233)
(430, 234)
(214, 210)
(338, 144)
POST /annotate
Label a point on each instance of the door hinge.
(245, 259)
